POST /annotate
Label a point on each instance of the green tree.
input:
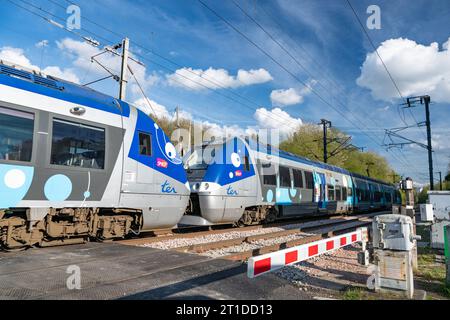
(308, 142)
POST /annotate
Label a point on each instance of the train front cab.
(225, 187)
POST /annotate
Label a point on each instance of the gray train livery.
(244, 182)
(77, 164)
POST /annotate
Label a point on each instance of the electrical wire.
(151, 51)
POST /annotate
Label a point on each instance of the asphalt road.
(115, 271)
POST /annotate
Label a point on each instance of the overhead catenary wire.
(190, 71)
(330, 81)
(304, 50)
(141, 89)
(280, 65)
(284, 68)
(101, 37)
(293, 57)
(272, 116)
(381, 59)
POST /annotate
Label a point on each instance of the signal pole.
(124, 68)
(325, 124)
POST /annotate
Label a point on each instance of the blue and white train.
(77, 164)
(244, 182)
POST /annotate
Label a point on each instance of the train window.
(16, 134)
(344, 193)
(377, 196)
(331, 196)
(349, 192)
(246, 164)
(270, 179)
(338, 193)
(77, 145)
(359, 194)
(285, 177)
(298, 179)
(309, 180)
(145, 144)
(388, 197)
(366, 195)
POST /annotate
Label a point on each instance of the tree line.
(307, 142)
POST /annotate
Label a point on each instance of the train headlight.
(206, 186)
(196, 186)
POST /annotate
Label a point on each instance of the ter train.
(245, 182)
(75, 163)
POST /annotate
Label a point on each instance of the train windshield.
(197, 161)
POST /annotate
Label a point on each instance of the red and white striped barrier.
(276, 260)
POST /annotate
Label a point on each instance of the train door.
(249, 184)
(320, 190)
(350, 194)
(138, 172)
(371, 195)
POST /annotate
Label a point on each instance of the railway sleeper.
(66, 226)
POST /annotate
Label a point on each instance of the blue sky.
(323, 36)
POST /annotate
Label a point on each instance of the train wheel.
(16, 234)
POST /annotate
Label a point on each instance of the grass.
(434, 273)
(446, 291)
(354, 294)
(429, 269)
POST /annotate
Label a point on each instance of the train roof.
(268, 149)
(37, 82)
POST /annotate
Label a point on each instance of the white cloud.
(277, 119)
(214, 129)
(65, 74)
(159, 110)
(216, 78)
(417, 69)
(40, 44)
(291, 96)
(285, 97)
(17, 56)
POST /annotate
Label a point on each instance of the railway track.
(193, 232)
(242, 243)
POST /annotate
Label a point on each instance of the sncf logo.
(231, 191)
(161, 163)
(167, 188)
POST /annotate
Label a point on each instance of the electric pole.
(394, 176)
(410, 103)
(124, 68)
(325, 124)
(368, 165)
(426, 99)
(440, 180)
(177, 112)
